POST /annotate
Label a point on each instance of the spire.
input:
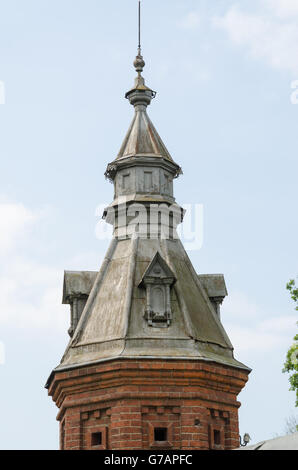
(139, 62)
(144, 94)
(142, 139)
(139, 45)
(147, 300)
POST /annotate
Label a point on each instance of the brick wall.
(148, 404)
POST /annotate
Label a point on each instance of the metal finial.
(140, 94)
(139, 61)
(139, 44)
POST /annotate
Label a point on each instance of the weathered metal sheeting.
(214, 285)
(77, 283)
(113, 322)
(173, 318)
(289, 442)
(108, 317)
(142, 138)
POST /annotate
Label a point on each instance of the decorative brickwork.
(148, 404)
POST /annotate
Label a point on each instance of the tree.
(291, 424)
(291, 364)
(291, 286)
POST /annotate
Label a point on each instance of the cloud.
(253, 330)
(88, 261)
(283, 8)
(265, 34)
(191, 21)
(237, 305)
(264, 337)
(14, 222)
(31, 296)
(30, 290)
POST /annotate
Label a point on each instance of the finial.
(139, 43)
(140, 94)
(139, 61)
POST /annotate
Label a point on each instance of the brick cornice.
(147, 378)
(162, 398)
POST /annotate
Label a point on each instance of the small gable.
(158, 269)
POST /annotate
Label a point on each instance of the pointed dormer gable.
(158, 270)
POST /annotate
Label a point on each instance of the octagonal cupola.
(143, 164)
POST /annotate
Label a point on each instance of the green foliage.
(291, 286)
(291, 364)
(291, 424)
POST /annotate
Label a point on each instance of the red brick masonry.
(148, 404)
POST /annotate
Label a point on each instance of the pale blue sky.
(223, 74)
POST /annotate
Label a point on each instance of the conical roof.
(142, 139)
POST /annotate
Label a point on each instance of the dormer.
(215, 287)
(77, 286)
(158, 280)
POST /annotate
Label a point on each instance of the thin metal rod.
(139, 45)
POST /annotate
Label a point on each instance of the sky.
(225, 73)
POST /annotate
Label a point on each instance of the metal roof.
(113, 323)
(142, 139)
(289, 442)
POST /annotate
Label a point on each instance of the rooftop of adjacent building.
(289, 442)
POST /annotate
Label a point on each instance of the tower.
(149, 364)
